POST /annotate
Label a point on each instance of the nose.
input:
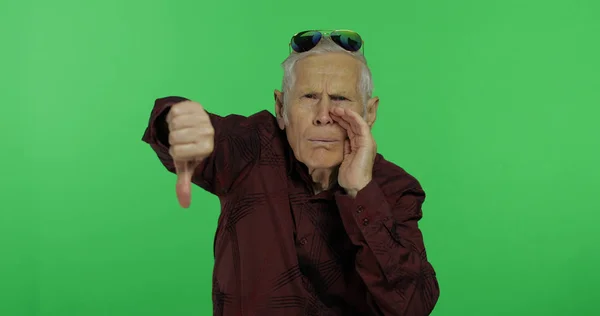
(323, 116)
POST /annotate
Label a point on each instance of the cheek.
(298, 122)
(301, 109)
(294, 135)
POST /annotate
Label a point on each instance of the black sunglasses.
(307, 40)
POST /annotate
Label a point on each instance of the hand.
(356, 170)
(191, 136)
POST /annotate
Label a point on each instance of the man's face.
(322, 82)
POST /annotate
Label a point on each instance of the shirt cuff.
(161, 107)
(366, 212)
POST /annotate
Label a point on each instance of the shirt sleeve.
(235, 151)
(391, 258)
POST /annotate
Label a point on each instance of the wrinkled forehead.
(336, 70)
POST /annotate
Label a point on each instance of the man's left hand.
(356, 170)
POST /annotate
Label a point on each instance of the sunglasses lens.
(305, 41)
(349, 40)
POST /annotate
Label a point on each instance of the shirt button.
(360, 209)
(365, 222)
(303, 241)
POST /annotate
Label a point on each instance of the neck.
(323, 179)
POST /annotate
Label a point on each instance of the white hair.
(326, 45)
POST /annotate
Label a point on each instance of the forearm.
(391, 259)
(406, 285)
(235, 145)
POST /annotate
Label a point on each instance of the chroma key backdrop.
(492, 105)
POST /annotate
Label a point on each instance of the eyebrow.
(345, 94)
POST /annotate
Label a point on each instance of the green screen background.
(492, 105)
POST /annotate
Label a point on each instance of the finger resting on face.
(344, 124)
(347, 122)
(359, 126)
(339, 119)
(337, 111)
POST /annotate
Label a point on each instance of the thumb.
(183, 188)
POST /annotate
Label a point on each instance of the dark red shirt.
(282, 250)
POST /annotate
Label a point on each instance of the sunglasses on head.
(307, 40)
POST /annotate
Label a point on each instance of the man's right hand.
(191, 136)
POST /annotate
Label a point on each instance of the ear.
(279, 109)
(372, 106)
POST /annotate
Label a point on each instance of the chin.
(322, 165)
(321, 162)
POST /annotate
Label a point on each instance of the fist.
(191, 140)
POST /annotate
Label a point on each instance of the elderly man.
(313, 220)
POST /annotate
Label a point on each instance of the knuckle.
(193, 106)
(173, 151)
(198, 106)
(208, 131)
(175, 121)
(186, 106)
(174, 137)
(175, 109)
(180, 152)
(176, 150)
(205, 148)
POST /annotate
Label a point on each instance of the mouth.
(323, 140)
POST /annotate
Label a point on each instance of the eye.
(310, 96)
(338, 98)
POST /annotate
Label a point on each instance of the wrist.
(353, 191)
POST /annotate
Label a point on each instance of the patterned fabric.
(282, 250)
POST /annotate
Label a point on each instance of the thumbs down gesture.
(191, 139)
